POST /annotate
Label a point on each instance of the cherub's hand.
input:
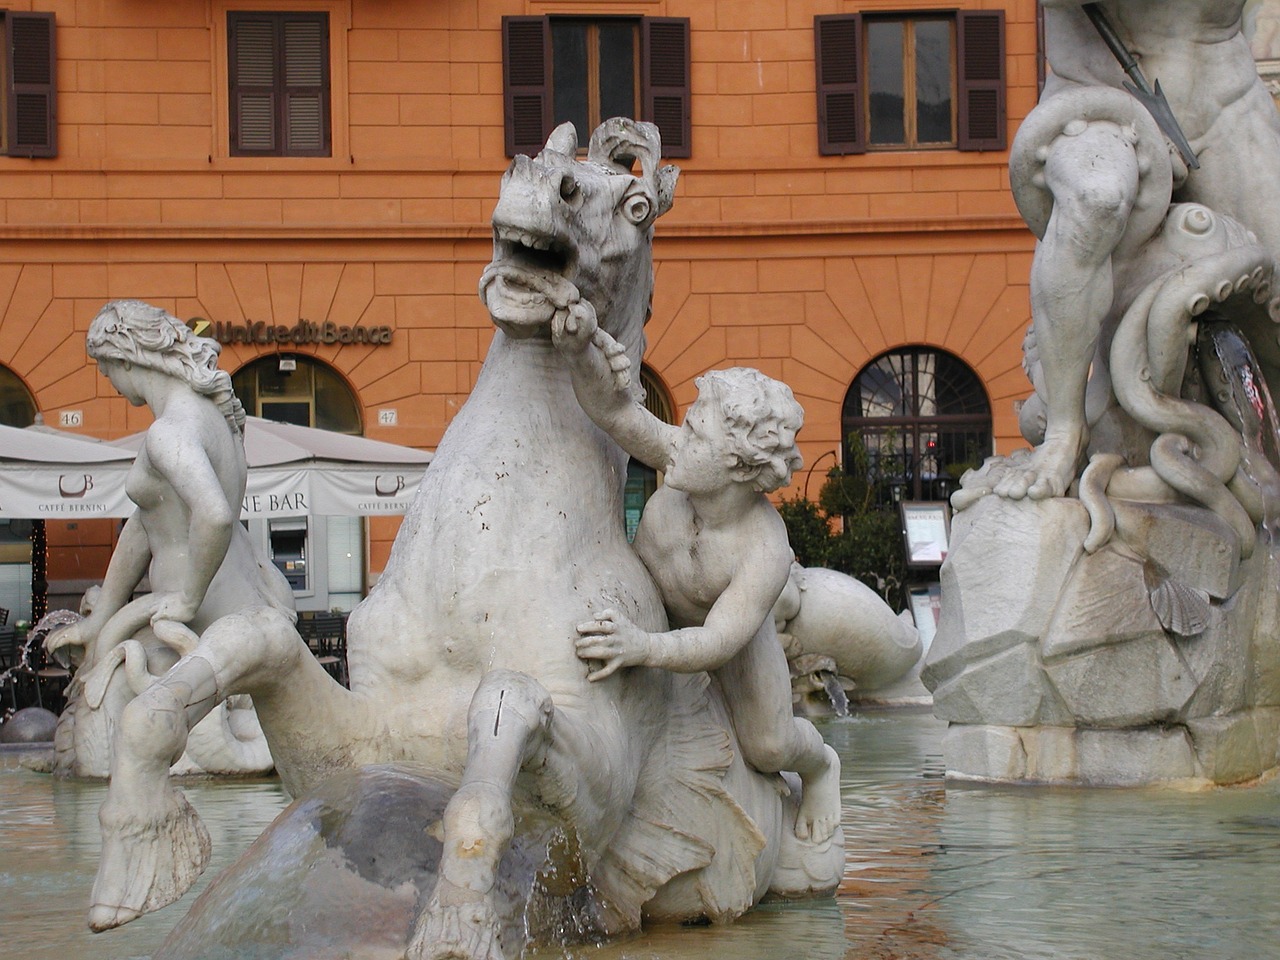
(619, 363)
(175, 606)
(573, 327)
(613, 639)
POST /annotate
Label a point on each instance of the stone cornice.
(474, 231)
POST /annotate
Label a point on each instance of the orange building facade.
(803, 241)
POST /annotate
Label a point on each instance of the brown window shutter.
(982, 80)
(666, 88)
(838, 52)
(278, 72)
(251, 44)
(306, 85)
(32, 88)
(526, 83)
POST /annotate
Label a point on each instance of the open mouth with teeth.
(527, 280)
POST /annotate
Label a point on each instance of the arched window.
(298, 390)
(918, 418)
(321, 557)
(642, 480)
(17, 406)
(19, 583)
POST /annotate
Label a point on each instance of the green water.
(933, 871)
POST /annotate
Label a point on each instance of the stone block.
(983, 753)
(1008, 561)
(1219, 661)
(1227, 748)
(1193, 544)
(1267, 723)
(1265, 638)
(1003, 689)
(1134, 683)
(1052, 754)
(1133, 757)
(1105, 601)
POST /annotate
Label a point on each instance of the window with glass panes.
(922, 418)
(587, 69)
(920, 81)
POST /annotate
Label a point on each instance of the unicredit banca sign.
(302, 332)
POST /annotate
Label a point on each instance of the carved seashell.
(1181, 609)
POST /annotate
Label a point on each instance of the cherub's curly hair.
(762, 418)
(135, 332)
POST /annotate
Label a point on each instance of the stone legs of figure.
(757, 687)
(1091, 169)
(154, 845)
(508, 726)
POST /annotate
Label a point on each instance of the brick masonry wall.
(805, 266)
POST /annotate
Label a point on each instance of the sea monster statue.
(464, 671)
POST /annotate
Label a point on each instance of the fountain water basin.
(939, 872)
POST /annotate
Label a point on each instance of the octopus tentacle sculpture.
(1197, 452)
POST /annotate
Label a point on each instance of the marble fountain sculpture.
(1120, 623)
(526, 752)
(228, 742)
(187, 481)
(841, 638)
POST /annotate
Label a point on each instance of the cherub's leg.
(1092, 171)
(757, 688)
(154, 845)
(508, 725)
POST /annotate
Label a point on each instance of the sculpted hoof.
(147, 862)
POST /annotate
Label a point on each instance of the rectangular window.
(278, 75)
(910, 82)
(558, 69)
(28, 108)
(594, 70)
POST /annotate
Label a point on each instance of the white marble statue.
(1119, 624)
(463, 660)
(1093, 176)
(188, 481)
(841, 638)
(227, 742)
(715, 546)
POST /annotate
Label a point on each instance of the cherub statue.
(716, 548)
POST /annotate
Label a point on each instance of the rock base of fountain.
(1155, 658)
(342, 871)
(1220, 750)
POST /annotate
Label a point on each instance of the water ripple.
(935, 871)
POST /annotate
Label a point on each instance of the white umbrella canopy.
(293, 472)
(51, 475)
(301, 471)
